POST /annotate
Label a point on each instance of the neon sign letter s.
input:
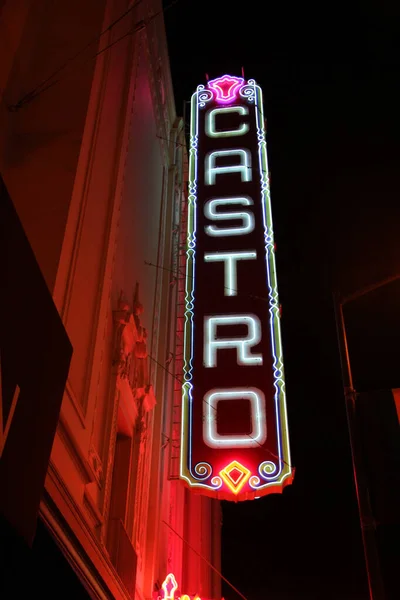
(247, 218)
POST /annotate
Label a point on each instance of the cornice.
(159, 75)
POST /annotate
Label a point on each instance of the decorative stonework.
(125, 339)
(131, 355)
(158, 85)
(96, 465)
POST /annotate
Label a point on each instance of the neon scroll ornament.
(169, 590)
(234, 434)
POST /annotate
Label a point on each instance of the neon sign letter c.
(211, 131)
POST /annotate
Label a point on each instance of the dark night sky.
(330, 76)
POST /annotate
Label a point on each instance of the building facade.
(93, 157)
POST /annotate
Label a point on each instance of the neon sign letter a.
(244, 167)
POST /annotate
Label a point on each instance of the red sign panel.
(234, 425)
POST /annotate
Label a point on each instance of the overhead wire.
(215, 408)
(183, 276)
(47, 83)
(205, 560)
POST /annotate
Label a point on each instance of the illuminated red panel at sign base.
(235, 443)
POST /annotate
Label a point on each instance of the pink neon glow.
(169, 587)
(226, 88)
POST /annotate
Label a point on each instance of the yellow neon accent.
(235, 487)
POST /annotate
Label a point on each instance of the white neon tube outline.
(210, 122)
(258, 434)
(230, 267)
(244, 167)
(246, 217)
(243, 356)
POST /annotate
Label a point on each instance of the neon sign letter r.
(212, 343)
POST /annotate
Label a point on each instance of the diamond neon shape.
(235, 476)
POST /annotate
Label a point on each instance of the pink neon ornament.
(169, 587)
(226, 88)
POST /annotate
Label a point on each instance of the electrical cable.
(47, 83)
(205, 560)
(183, 276)
(215, 408)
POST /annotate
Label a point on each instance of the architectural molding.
(114, 212)
(162, 134)
(90, 504)
(80, 198)
(159, 76)
(96, 465)
(78, 408)
(72, 446)
(86, 555)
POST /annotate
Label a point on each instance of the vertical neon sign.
(234, 438)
